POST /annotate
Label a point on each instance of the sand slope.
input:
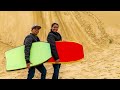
(91, 29)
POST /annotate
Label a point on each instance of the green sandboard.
(39, 53)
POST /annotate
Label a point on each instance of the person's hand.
(57, 61)
(28, 65)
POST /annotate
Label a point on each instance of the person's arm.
(60, 37)
(54, 52)
(28, 44)
(38, 39)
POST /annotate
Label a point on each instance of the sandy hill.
(98, 32)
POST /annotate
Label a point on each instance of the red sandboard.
(68, 51)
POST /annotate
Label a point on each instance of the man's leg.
(56, 71)
(31, 73)
(42, 69)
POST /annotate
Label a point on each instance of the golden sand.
(98, 32)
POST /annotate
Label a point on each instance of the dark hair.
(53, 25)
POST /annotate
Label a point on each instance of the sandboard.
(39, 53)
(68, 52)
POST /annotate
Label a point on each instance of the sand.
(98, 32)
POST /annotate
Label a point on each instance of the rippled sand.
(98, 32)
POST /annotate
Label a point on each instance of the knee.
(45, 71)
(56, 67)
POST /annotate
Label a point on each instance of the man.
(32, 37)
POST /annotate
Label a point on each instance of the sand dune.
(98, 34)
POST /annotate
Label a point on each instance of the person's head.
(35, 29)
(54, 27)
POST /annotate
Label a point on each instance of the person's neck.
(53, 32)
